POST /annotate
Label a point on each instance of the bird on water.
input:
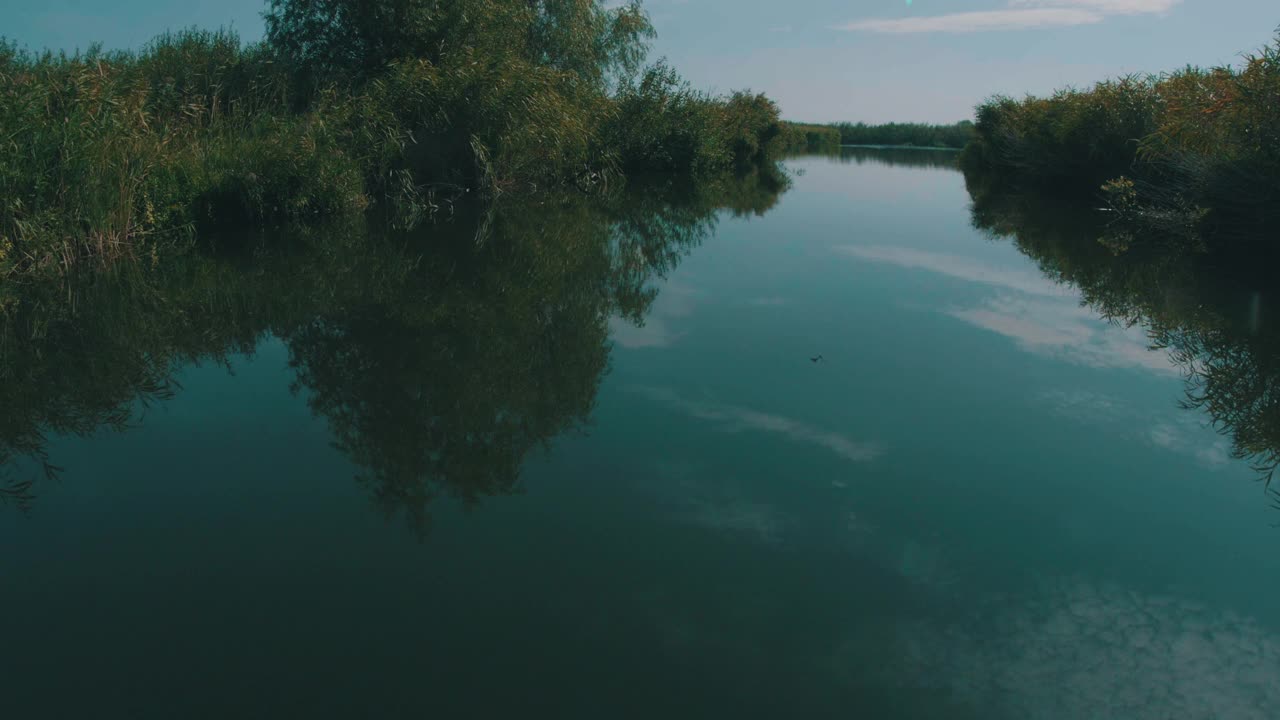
(816, 359)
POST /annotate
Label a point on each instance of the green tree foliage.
(346, 104)
(352, 39)
(663, 125)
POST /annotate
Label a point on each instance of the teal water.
(984, 501)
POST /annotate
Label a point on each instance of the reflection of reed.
(891, 157)
(1205, 310)
(18, 492)
(439, 356)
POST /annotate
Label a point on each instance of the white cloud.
(736, 516)
(655, 333)
(1077, 649)
(1018, 15)
(1186, 438)
(1180, 433)
(736, 419)
(1043, 317)
(1106, 7)
(963, 268)
(1013, 19)
(672, 304)
(1083, 405)
(1066, 331)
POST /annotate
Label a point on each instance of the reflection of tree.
(892, 156)
(1206, 309)
(472, 360)
(439, 357)
(75, 361)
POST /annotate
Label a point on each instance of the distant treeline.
(808, 136)
(907, 134)
(1192, 155)
(343, 105)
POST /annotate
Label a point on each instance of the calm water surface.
(983, 502)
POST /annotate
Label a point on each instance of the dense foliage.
(812, 138)
(1193, 153)
(346, 104)
(907, 134)
(660, 124)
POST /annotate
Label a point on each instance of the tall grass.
(1193, 151)
(108, 152)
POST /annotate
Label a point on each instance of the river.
(567, 461)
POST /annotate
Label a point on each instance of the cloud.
(1018, 15)
(737, 419)
(1185, 438)
(655, 333)
(1180, 433)
(968, 22)
(1083, 405)
(1066, 331)
(1106, 7)
(672, 304)
(1076, 648)
(1042, 316)
(1031, 283)
(738, 517)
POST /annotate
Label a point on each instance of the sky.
(822, 60)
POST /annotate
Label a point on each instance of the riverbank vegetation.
(402, 104)
(1190, 157)
(954, 136)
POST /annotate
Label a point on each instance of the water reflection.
(1208, 308)
(893, 156)
(439, 357)
(732, 418)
